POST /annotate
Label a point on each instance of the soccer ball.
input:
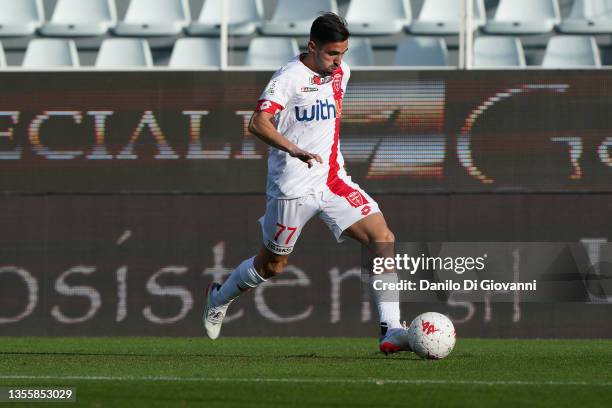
(431, 335)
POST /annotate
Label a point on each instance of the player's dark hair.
(329, 27)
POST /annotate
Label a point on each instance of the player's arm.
(262, 125)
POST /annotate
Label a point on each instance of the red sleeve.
(264, 105)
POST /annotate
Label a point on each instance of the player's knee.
(273, 267)
(383, 236)
(389, 236)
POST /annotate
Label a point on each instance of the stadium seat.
(422, 52)
(154, 18)
(51, 53)
(195, 53)
(20, 17)
(81, 18)
(524, 17)
(271, 53)
(498, 51)
(442, 17)
(391, 17)
(589, 17)
(571, 51)
(245, 16)
(2, 57)
(293, 17)
(124, 53)
(360, 53)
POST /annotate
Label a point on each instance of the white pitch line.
(379, 381)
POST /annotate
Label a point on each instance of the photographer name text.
(449, 285)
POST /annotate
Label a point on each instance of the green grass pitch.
(309, 372)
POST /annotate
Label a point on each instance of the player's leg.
(372, 232)
(249, 274)
(281, 226)
(357, 216)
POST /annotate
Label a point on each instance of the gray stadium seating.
(195, 53)
(360, 53)
(524, 17)
(20, 17)
(571, 51)
(245, 16)
(589, 17)
(81, 18)
(293, 18)
(51, 53)
(124, 53)
(154, 18)
(271, 53)
(443, 17)
(498, 52)
(422, 52)
(390, 17)
(376, 24)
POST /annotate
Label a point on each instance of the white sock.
(387, 302)
(243, 278)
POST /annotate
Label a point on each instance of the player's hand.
(306, 157)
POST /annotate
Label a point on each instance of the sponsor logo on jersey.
(321, 110)
(309, 89)
(366, 210)
(278, 249)
(317, 80)
(272, 87)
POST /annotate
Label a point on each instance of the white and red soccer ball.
(431, 335)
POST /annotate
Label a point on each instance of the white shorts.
(284, 218)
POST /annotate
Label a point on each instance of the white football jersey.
(307, 109)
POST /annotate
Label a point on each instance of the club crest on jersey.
(321, 110)
(337, 83)
(338, 93)
(355, 199)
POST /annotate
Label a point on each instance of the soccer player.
(298, 115)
